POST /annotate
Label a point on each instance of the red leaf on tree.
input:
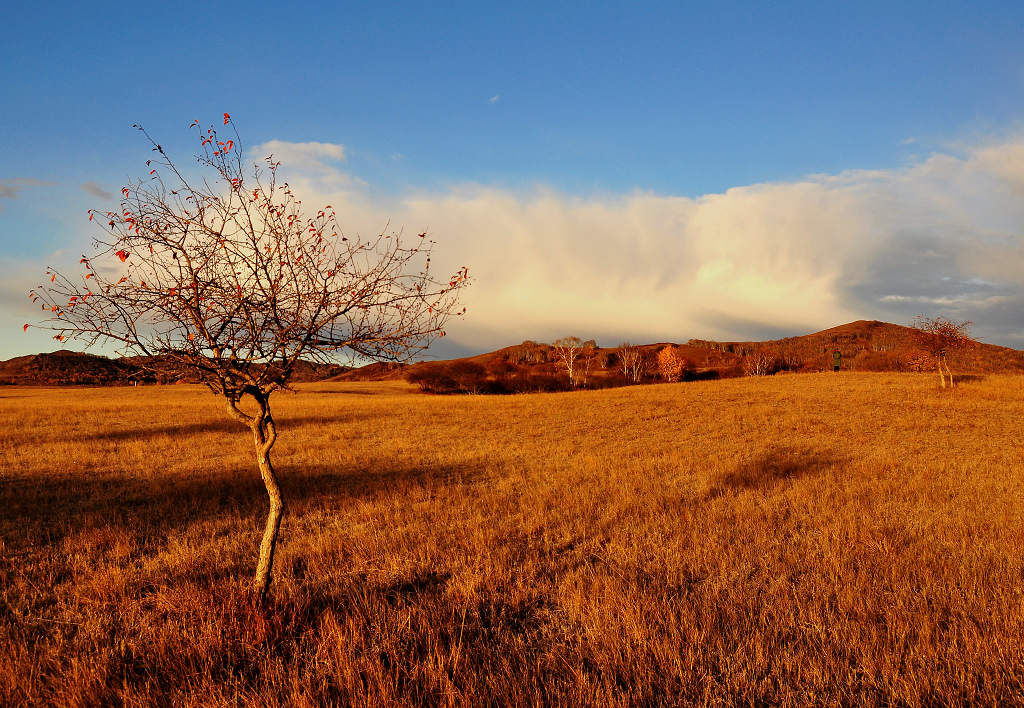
(226, 118)
(123, 255)
(53, 277)
(90, 216)
(25, 328)
(231, 144)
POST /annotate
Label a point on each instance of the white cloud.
(312, 159)
(944, 235)
(309, 155)
(494, 99)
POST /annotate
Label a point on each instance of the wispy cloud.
(908, 141)
(494, 99)
(11, 188)
(96, 190)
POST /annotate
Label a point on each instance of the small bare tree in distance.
(631, 359)
(940, 337)
(762, 361)
(228, 278)
(569, 350)
(587, 360)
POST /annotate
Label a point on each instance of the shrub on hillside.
(469, 376)
(526, 381)
(880, 360)
(431, 378)
(457, 377)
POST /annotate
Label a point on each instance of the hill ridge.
(871, 345)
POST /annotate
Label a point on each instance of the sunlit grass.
(795, 539)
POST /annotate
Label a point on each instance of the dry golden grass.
(813, 539)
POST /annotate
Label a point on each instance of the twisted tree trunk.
(264, 433)
(264, 436)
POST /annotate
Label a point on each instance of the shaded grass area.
(810, 539)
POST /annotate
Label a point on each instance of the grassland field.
(818, 539)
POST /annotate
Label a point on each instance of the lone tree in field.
(225, 276)
(940, 337)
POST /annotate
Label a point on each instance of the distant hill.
(65, 368)
(533, 366)
(870, 346)
(863, 346)
(68, 368)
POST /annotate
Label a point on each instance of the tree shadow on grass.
(342, 392)
(967, 378)
(773, 466)
(284, 424)
(45, 511)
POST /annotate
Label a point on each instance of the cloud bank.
(942, 236)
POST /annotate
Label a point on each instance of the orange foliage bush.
(671, 364)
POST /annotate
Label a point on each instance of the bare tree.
(587, 357)
(631, 358)
(940, 337)
(568, 350)
(760, 361)
(227, 277)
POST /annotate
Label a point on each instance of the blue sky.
(525, 105)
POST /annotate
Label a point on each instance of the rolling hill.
(530, 366)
